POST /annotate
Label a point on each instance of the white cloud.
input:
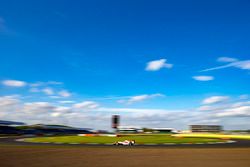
(233, 110)
(8, 101)
(86, 105)
(205, 108)
(203, 78)
(66, 101)
(209, 121)
(64, 93)
(243, 97)
(54, 83)
(157, 65)
(138, 98)
(227, 59)
(62, 109)
(40, 83)
(40, 87)
(14, 83)
(34, 90)
(135, 110)
(215, 99)
(55, 97)
(237, 111)
(241, 103)
(11, 108)
(214, 107)
(48, 91)
(8, 106)
(41, 107)
(244, 65)
(36, 84)
(56, 114)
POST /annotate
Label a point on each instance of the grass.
(215, 136)
(157, 139)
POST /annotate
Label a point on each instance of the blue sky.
(92, 59)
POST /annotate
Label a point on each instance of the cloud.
(8, 105)
(54, 83)
(39, 83)
(66, 101)
(135, 110)
(48, 91)
(86, 105)
(52, 92)
(64, 93)
(8, 101)
(241, 103)
(214, 107)
(139, 98)
(55, 97)
(206, 108)
(227, 59)
(62, 109)
(18, 83)
(36, 84)
(244, 65)
(203, 78)
(34, 90)
(241, 111)
(215, 99)
(14, 83)
(56, 114)
(38, 107)
(12, 108)
(244, 96)
(157, 65)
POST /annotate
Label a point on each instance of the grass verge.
(213, 136)
(156, 139)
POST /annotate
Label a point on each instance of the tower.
(115, 121)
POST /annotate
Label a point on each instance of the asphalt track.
(235, 144)
(22, 154)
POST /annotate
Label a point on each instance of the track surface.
(20, 154)
(55, 156)
(237, 144)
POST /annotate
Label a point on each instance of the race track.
(21, 154)
(235, 144)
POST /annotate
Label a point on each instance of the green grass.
(157, 139)
(215, 136)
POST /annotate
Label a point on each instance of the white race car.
(125, 143)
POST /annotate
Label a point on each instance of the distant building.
(206, 128)
(136, 129)
(115, 122)
(163, 130)
(129, 129)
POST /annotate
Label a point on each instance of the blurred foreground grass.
(144, 139)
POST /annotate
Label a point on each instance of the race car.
(125, 143)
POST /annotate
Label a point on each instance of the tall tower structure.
(115, 121)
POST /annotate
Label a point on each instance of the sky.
(157, 63)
